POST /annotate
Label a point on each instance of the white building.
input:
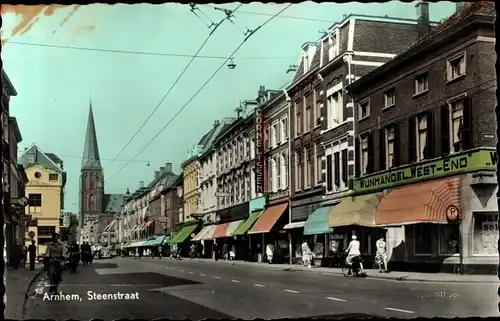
(208, 169)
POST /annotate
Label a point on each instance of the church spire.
(91, 158)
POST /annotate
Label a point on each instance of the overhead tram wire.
(201, 88)
(173, 85)
(131, 52)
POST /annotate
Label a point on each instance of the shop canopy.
(293, 225)
(205, 234)
(267, 220)
(226, 229)
(155, 241)
(419, 203)
(124, 245)
(317, 222)
(183, 234)
(135, 244)
(355, 210)
(245, 226)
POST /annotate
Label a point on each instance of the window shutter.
(369, 166)
(412, 141)
(396, 146)
(430, 136)
(345, 167)
(329, 182)
(336, 160)
(357, 157)
(467, 127)
(445, 130)
(382, 157)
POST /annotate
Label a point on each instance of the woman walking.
(381, 256)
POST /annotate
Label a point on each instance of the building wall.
(208, 185)
(191, 184)
(482, 93)
(48, 213)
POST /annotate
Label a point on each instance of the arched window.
(93, 181)
(92, 202)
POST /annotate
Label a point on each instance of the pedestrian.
(25, 255)
(32, 254)
(136, 253)
(192, 251)
(232, 253)
(270, 253)
(381, 256)
(160, 252)
(306, 254)
(225, 251)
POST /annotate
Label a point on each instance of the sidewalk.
(372, 274)
(18, 283)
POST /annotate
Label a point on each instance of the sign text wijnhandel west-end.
(465, 162)
(259, 150)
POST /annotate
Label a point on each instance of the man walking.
(32, 254)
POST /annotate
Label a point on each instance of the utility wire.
(201, 88)
(171, 87)
(281, 16)
(145, 53)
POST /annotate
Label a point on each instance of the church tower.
(91, 175)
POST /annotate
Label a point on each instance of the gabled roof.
(7, 84)
(91, 159)
(112, 203)
(34, 155)
(15, 127)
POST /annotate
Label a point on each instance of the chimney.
(168, 167)
(422, 18)
(162, 170)
(157, 174)
(141, 184)
(262, 91)
(216, 123)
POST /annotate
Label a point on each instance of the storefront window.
(485, 234)
(449, 242)
(422, 239)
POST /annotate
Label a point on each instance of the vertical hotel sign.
(259, 149)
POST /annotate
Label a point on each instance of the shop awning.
(317, 222)
(245, 226)
(183, 234)
(155, 241)
(267, 220)
(134, 244)
(293, 225)
(205, 234)
(226, 229)
(419, 203)
(355, 210)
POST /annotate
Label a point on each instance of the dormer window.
(306, 62)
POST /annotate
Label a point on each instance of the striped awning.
(110, 225)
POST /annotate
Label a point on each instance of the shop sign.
(259, 150)
(469, 161)
(489, 238)
(452, 213)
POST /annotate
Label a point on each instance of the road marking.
(399, 310)
(191, 272)
(260, 285)
(235, 281)
(328, 274)
(291, 291)
(217, 277)
(202, 274)
(335, 299)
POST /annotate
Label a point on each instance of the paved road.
(195, 290)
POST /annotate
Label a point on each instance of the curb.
(396, 278)
(374, 277)
(30, 283)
